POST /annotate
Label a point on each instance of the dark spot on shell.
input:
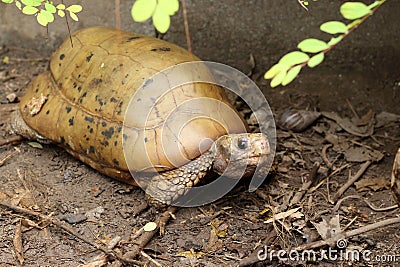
(79, 76)
(139, 99)
(108, 133)
(87, 139)
(146, 139)
(91, 149)
(74, 85)
(62, 140)
(71, 121)
(79, 88)
(164, 49)
(68, 109)
(59, 64)
(115, 143)
(133, 38)
(119, 129)
(47, 95)
(153, 50)
(89, 119)
(84, 95)
(62, 56)
(116, 162)
(124, 136)
(153, 100)
(104, 124)
(47, 112)
(91, 130)
(112, 99)
(105, 143)
(127, 75)
(89, 57)
(98, 81)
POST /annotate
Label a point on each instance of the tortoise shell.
(80, 102)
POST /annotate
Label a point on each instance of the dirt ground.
(232, 230)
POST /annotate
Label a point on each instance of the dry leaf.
(282, 215)
(190, 254)
(362, 154)
(17, 241)
(329, 227)
(375, 184)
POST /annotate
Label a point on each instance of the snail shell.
(297, 120)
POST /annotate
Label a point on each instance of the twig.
(150, 259)
(7, 157)
(253, 257)
(348, 234)
(68, 229)
(147, 236)
(186, 23)
(118, 14)
(351, 181)
(300, 194)
(10, 140)
(325, 158)
(370, 205)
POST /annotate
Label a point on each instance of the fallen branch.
(10, 140)
(304, 188)
(69, 230)
(145, 238)
(351, 181)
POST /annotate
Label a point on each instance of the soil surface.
(232, 230)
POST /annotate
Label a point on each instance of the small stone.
(12, 98)
(73, 218)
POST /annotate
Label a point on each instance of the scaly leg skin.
(166, 187)
(18, 126)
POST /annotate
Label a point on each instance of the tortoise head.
(238, 155)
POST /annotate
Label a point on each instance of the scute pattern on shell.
(88, 88)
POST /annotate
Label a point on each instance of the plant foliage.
(159, 10)
(45, 10)
(289, 66)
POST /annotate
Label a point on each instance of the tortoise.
(80, 104)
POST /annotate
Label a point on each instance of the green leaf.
(74, 8)
(161, 20)
(278, 79)
(32, 2)
(7, 1)
(44, 17)
(60, 6)
(333, 27)
(291, 75)
(61, 13)
(6, 60)
(312, 45)
(35, 145)
(150, 226)
(354, 10)
(294, 58)
(50, 7)
(73, 16)
(316, 60)
(274, 70)
(335, 40)
(169, 6)
(142, 10)
(29, 10)
(18, 5)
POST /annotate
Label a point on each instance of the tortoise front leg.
(169, 186)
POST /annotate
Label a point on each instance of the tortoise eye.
(242, 143)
